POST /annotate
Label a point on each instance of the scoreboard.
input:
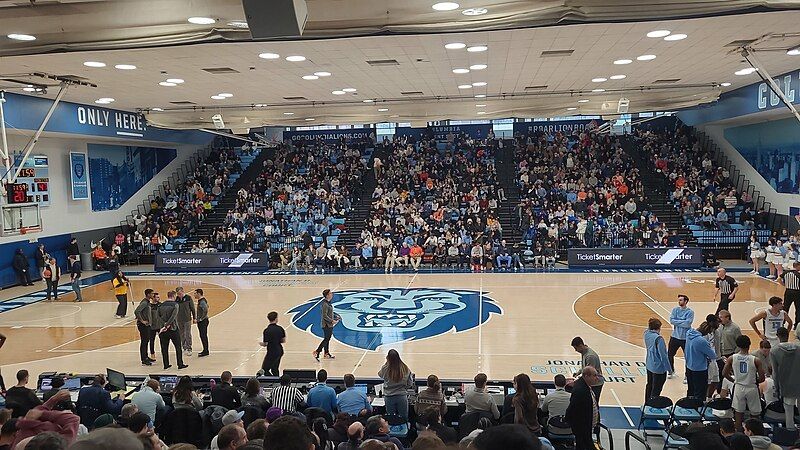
(35, 176)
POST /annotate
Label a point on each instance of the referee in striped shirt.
(791, 280)
(727, 288)
(285, 396)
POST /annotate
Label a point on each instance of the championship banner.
(619, 258)
(551, 126)
(79, 177)
(211, 262)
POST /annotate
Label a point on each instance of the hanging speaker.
(622, 105)
(275, 18)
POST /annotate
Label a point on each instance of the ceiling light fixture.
(218, 97)
(225, 95)
(295, 58)
(309, 119)
(201, 20)
(460, 71)
(21, 37)
(175, 80)
(599, 80)
(481, 112)
(480, 106)
(617, 77)
(167, 84)
(238, 24)
(94, 64)
(349, 89)
(338, 92)
(269, 55)
(675, 37)
(322, 74)
(646, 58)
(725, 84)
(288, 114)
(445, 6)
(383, 109)
(745, 71)
(620, 62)
(477, 48)
(311, 77)
(157, 109)
(104, 100)
(793, 52)
(455, 46)
(369, 100)
(478, 66)
(583, 100)
(260, 105)
(658, 33)
(479, 83)
(474, 11)
(598, 90)
(125, 67)
(571, 108)
(465, 86)
(29, 89)
(480, 96)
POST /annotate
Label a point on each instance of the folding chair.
(655, 416)
(717, 404)
(686, 410)
(559, 432)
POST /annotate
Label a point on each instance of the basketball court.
(450, 324)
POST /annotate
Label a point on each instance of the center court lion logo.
(374, 317)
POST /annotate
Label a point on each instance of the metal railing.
(631, 435)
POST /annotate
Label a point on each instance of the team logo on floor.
(374, 317)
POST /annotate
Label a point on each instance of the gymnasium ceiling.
(540, 61)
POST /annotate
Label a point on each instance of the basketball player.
(329, 320)
(773, 318)
(727, 288)
(791, 281)
(274, 338)
(746, 372)
(143, 320)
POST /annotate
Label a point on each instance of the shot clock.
(35, 176)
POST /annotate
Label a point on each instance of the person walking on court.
(186, 315)
(681, 319)
(657, 360)
(791, 296)
(329, 320)
(274, 338)
(772, 318)
(202, 320)
(121, 285)
(22, 268)
(589, 357)
(726, 291)
(168, 312)
(746, 372)
(397, 380)
(155, 324)
(75, 276)
(51, 274)
(143, 320)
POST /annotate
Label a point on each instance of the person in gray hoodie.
(186, 315)
(754, 429)
(657, 360)
(168, 313)
(785, 359)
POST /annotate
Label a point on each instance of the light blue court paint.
(374, 317)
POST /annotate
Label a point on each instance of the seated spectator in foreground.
(433, 420)
(288, 433)
(428, 441)
(506, 437)
(95, 400)
(556, 402)
(378, 428)
(431, 398)
(351, 400)
(252, 395)
(232, 418)
(44, 418)
(322, 395)
(19, 398)
(149, 399)
(355, 433)
(479, 400)
(286, 397)
(108, 438)
(225, 394)
(231, 437)
(754, 429)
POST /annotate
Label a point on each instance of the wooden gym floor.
(511, 323)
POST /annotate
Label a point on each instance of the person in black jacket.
(22, 267)
(168, 316)
(226, 395)
(583, 412)
(75, 276)
(19, 398)
(95, 400)
(40, 256)
(73, 249)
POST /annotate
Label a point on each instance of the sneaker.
(119, 317)
(147, 363)
(182, 366)
(329, 356)
(316, 355)
(151, 359)
(167, 366)
(202, 354)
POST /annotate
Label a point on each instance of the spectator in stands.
(44, 418)
(7, 433)
(378, 428)
(431, 398)
(396, 381)
(657, 360)
(184, 395)
(353, 401)
(754, 429)
(286, 397)
(225, 394)
(478, 399)
(149, 400)
(19, 398)
(322, 395)
(108, 438)
(288, 433)
(433, 420)
(252, 395)
(556, 402)
(505, 437)
(231, 437)
(526, 404)
(94, 400)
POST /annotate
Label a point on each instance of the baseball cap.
(273, 414)
(103, 420)
(232, 417)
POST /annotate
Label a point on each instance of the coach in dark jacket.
(583, 412)
(95, 400)
(22, 268)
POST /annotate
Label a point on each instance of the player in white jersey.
(772, 318)
(746, 372)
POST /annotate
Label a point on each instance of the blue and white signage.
(79, 176)
(375, 317)
(25, 112)
(331, 136)
(475, 131)
(553, 126)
